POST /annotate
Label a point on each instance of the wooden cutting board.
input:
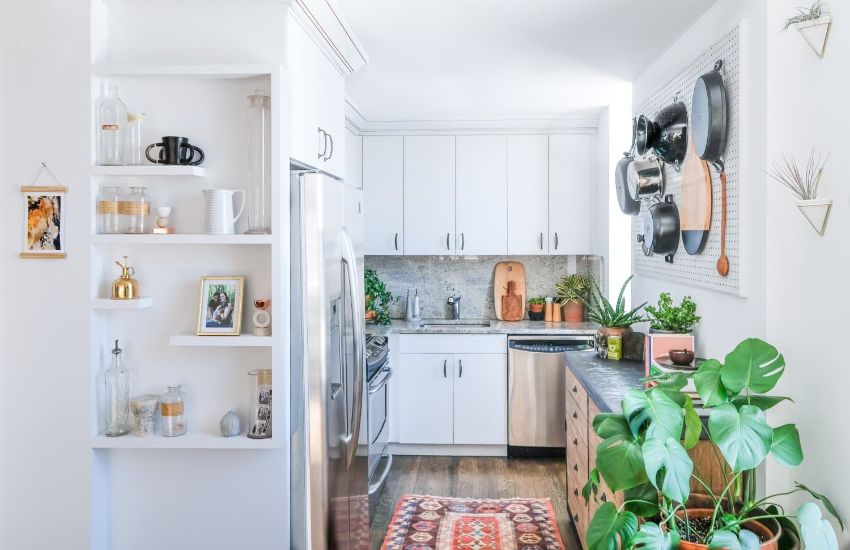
(506, 303)
(695, 207)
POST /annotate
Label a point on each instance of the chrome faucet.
(454, 301)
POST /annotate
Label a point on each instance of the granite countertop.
(400, 326)
(606, 381)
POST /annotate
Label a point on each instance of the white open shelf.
(109, 304)
(149, 170)
(185, 71)
(192, 440)
(181, 238)
(241, 341)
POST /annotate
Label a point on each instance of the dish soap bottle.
(117, 379)
(125, 287)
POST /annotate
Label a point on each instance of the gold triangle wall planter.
(816, 33)
(817, 213)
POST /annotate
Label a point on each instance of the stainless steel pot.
(628, 203)
(661, 229)
(645, 178)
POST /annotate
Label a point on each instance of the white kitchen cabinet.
(528, 195)
(425, 388)
(570, 172)
(353, 159)
(429, 195)
(481, 196)
(480, 399)
(383, 195)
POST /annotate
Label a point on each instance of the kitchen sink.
(467, 324)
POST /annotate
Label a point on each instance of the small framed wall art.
(220, 306)
(44, 222)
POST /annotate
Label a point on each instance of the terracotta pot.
(614, 331)
(536, 308)
(370, 315)
(573, 312)
(763, 532)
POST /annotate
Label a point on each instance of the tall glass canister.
(259, 163)
(260, 413)
(133, 154)
(117, 380)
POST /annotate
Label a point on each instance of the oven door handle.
(375, 388)
(374, 487)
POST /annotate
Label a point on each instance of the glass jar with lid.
(134, 154)
(173, 412)
(135, 211)
(108, 220)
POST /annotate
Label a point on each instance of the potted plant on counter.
(535, 308)
(378, 298)
(572, 292)
(615, 320)
(670, 319)
(644, 454)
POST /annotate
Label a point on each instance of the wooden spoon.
(723, 261)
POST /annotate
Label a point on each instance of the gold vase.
(125, 287)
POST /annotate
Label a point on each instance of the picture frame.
(44, 222)
(220, 302)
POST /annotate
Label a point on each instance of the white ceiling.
(505, 59)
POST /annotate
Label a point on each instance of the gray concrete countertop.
(525, 327)
(606, 381)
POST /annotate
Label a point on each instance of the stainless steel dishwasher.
(536, 393)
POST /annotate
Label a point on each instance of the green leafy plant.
(600, 310)
(680, 319)
(815, 11)
(644, 454)
(804, 186)
(537, 301)
(378, 298)
(572, 288)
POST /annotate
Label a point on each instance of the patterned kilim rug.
(442, 523)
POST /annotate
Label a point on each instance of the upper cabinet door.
(570, 172)
(528, 195)
(353, 159)
(383, 194)
(481, 196)
(429, 195)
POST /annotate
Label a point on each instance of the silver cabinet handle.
(460, 364)
(331, 153)
(324, 138)
(396, 241)
(447, 240)
(444, 368)
(556, 241)
(373, 487)
(541, 240)
(462, 241)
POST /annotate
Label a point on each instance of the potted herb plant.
(644, 455)
(378, 298)
(672, 319)
(535, 308)
(572, 292)
(615, 320)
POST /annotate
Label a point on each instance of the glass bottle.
(134, 155)
(135, 211)
(260, 413)
(173, 413)
(107, 210)
(111, 120)
(117, 379)
(259, 163)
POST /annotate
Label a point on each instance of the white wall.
(726, 319)
(44, 406)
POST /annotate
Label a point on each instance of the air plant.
(804, 185)
(815, 11)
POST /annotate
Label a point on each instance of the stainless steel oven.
(378, 374)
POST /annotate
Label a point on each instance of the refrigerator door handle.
(349, 261)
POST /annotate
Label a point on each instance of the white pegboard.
(701, 270)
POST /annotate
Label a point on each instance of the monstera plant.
(644, 454)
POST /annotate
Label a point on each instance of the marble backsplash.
(438, 277)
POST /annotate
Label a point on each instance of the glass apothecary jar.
(173, 412)
(135, 211)
(260, 413)
(134, 154)
(108, 220)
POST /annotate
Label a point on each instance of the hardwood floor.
(481, 477)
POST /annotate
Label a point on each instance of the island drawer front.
(576, 420)
(453, 343)
(577, 460)
(576, 433)
(579, 512)
(577, 391)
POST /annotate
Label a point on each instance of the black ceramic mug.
(176, 150)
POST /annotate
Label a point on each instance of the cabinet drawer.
(579, 512)
(576, 421)
(577, 460)
(577, 391)
(453, 343)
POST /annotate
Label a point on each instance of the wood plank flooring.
(475, 477)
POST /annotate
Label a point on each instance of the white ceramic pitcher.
(218, 211)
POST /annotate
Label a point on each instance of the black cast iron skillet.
(709, 116)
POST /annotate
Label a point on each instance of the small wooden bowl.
(681, 357)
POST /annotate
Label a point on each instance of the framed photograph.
(44, 222)
(220, 306)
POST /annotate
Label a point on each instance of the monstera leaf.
(786, 445)
(671, 457)
(651, 537)
(745, 540)
(611, 424)
(743, 436)
(620, 461)
(642, 500)
(825, 501)
(817, 532)
(764, 402)
(664, 415)
(753, 365)
(708, 384)
(693, 425)
(607, 525)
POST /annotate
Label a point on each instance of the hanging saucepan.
(667, 134)
(628, 204)
(709, 116)
(661, 229)
(645, 178)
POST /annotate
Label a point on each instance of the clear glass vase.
(111, 123)
(260, 413)
(117, 381)
(173, 412)
(259, 163)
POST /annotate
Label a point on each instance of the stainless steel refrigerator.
(329, 484)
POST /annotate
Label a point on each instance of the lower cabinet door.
(426, 407)
(480, 399)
